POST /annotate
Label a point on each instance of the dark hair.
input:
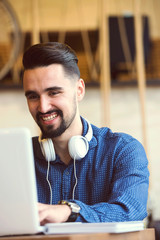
(45, 54)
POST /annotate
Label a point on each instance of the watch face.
(75, 207)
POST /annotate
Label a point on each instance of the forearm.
(127, 200)
(123, 209)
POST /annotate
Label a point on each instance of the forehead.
(46, 76)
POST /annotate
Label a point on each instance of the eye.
(32, 96)
(53, 93)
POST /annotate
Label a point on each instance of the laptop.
(18, 194)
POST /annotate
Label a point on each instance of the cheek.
(63, 103)
(66, 106)
(32, 109)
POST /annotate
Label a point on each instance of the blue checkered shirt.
(113, 178)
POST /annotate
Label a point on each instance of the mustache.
(40, 114)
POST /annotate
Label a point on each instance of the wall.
(76, 14)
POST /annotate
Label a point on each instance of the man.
(84, 173)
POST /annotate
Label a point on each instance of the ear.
(80, 89)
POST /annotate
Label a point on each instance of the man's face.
(52, 98)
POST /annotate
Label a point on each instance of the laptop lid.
(18, 196)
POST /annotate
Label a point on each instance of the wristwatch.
(75, 209)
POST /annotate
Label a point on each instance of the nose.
(44, 105)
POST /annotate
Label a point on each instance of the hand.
(53, 213)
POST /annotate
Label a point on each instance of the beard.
(49, 131)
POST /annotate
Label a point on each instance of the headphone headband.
(89, 134)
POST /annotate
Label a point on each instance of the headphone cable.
(49, 184)
(75, 175)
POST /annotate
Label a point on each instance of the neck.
(61, 142)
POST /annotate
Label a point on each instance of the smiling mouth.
(50, 117)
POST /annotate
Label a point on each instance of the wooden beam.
(140, 66)
(105, 78)
(35, 22)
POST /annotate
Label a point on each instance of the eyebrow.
(27, 93)
(52, 89)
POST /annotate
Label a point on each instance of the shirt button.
(67, 173)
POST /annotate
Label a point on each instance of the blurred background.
(118, 46)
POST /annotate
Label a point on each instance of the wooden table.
(147, 234)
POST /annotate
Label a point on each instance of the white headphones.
(78, 146)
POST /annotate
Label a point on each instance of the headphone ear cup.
(48, 149)
(78, 147)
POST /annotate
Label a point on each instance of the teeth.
(51, 117)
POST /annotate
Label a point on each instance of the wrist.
(74, 210)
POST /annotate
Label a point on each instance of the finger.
(42, 216)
